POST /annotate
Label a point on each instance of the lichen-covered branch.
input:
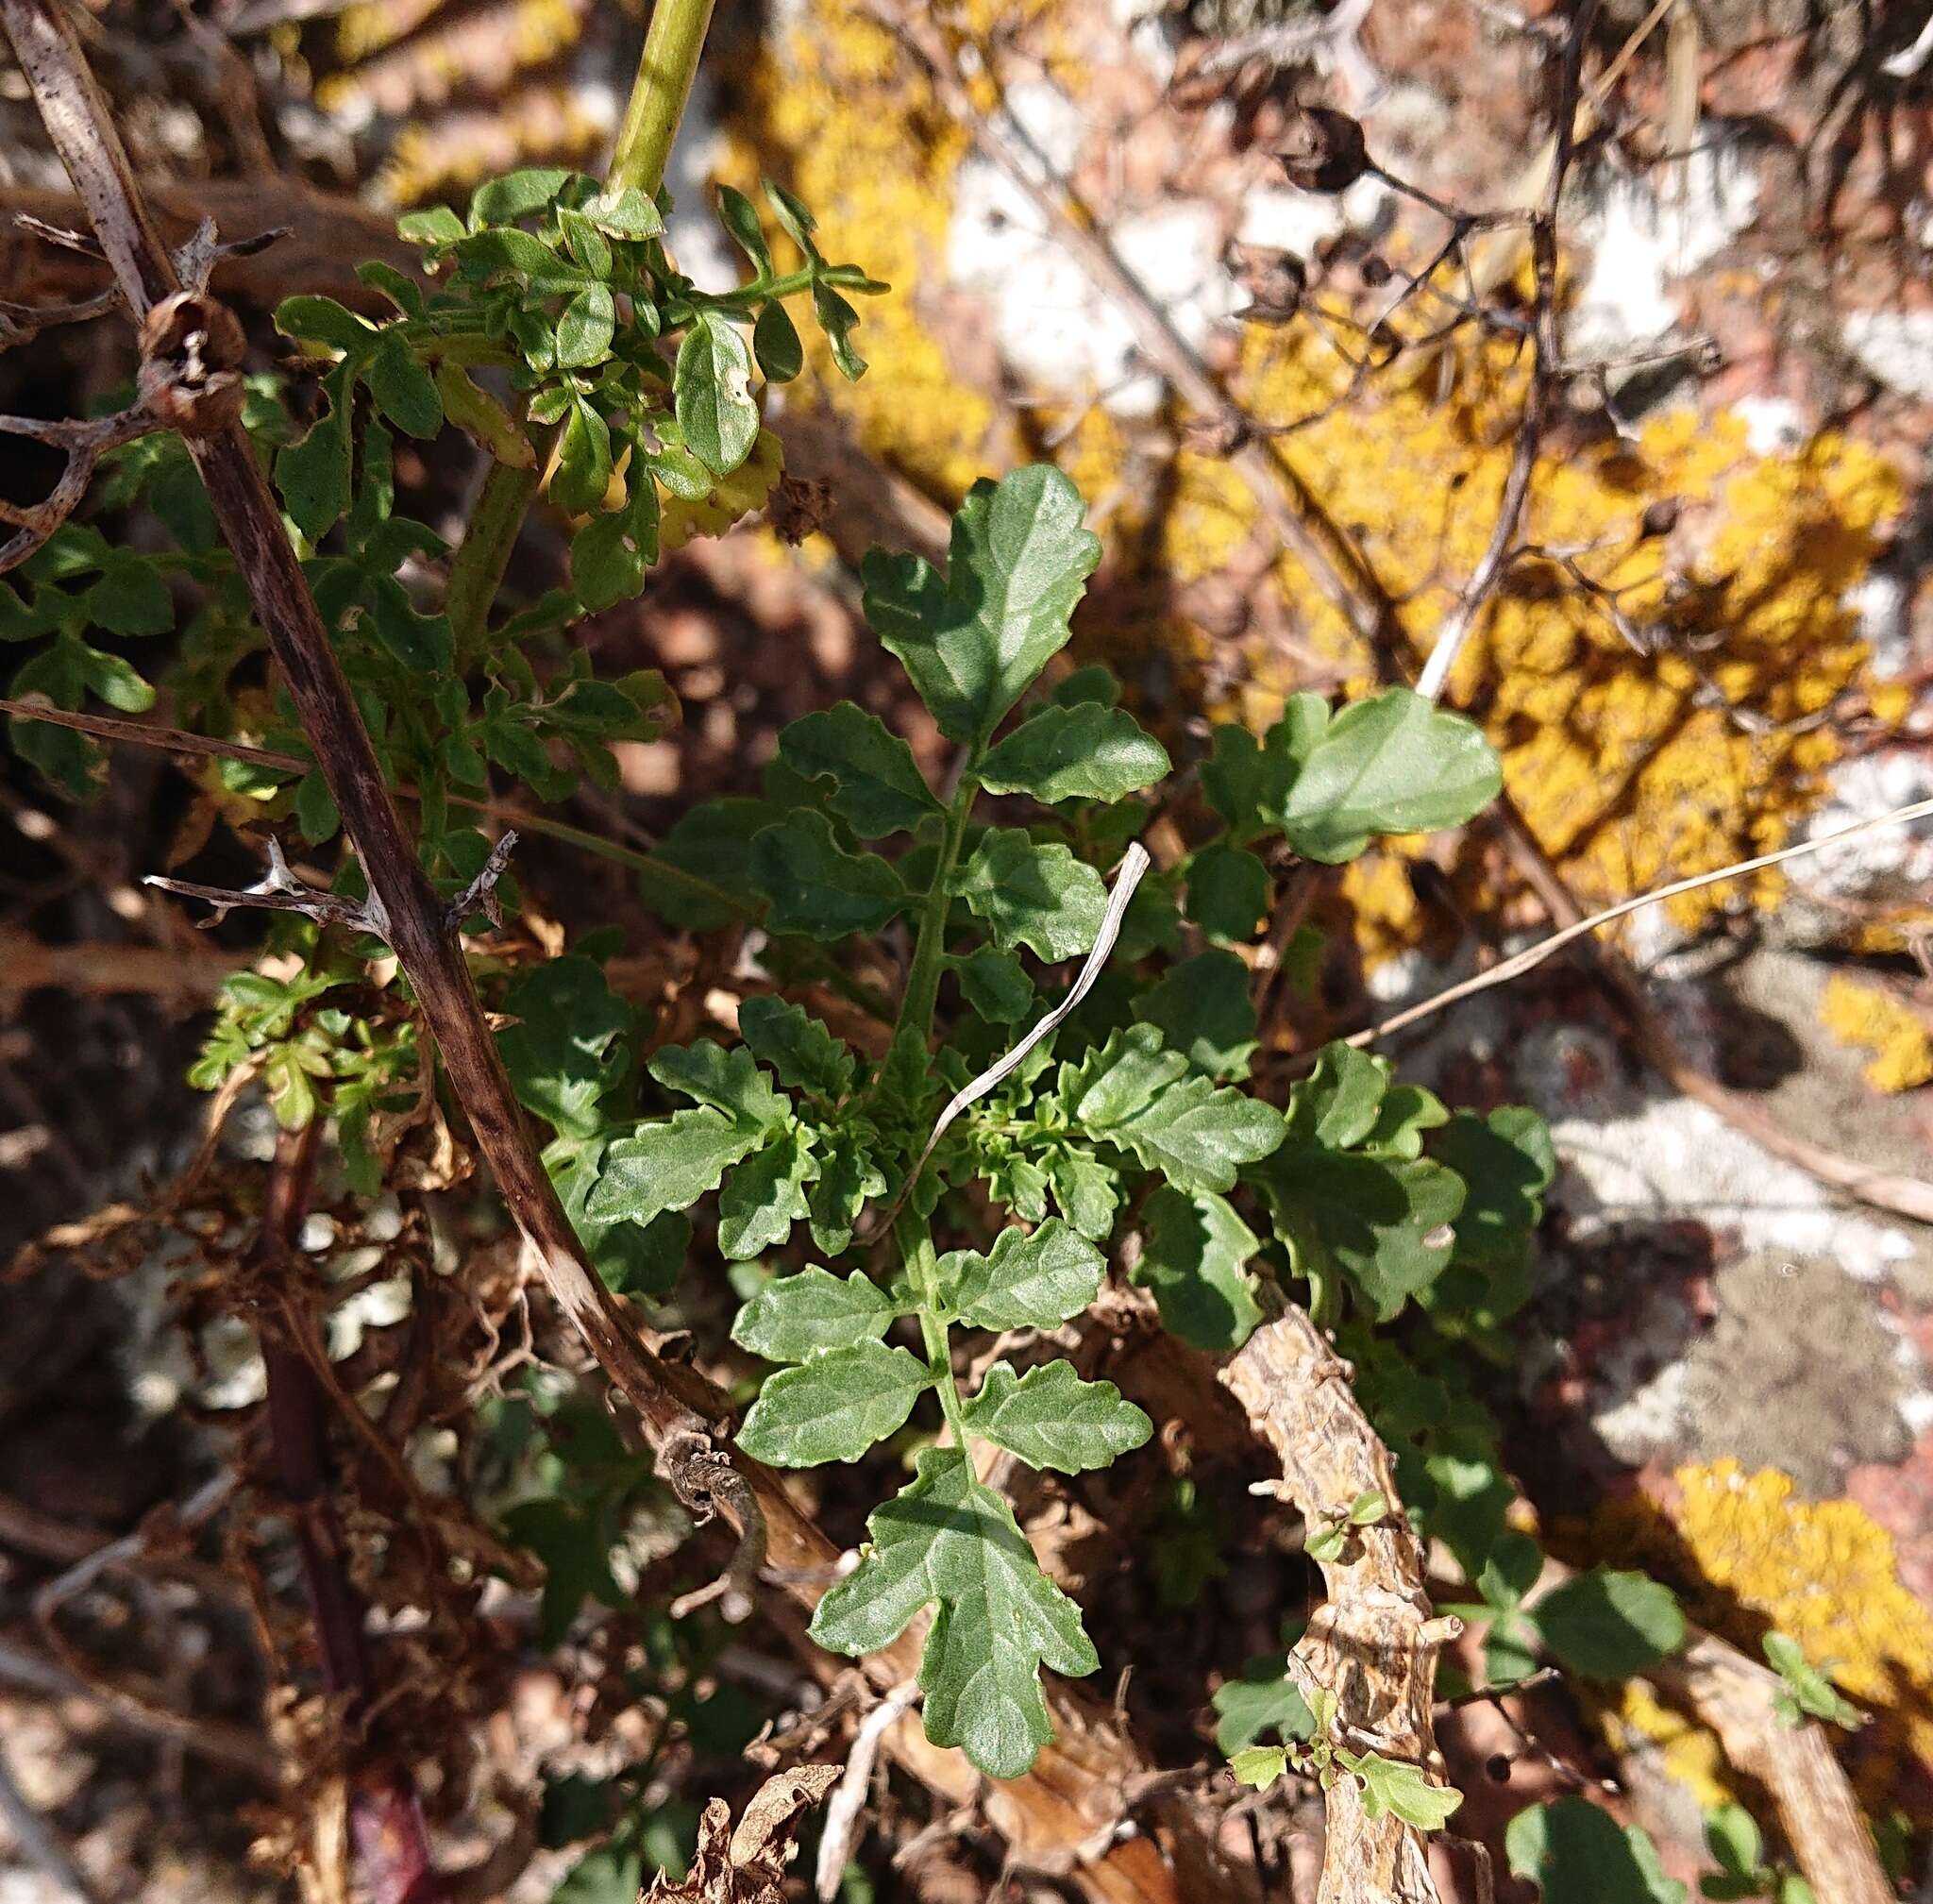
(1373, 1642)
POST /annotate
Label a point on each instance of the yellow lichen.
(1870, 1016)
(1749, 1554)
(1686, 1752)
(838, 113)
(1633, 767)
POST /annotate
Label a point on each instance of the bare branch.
(1373, 1642)
(278, 890)
(85, 443)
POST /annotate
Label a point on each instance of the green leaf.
(1731, 1835)
(1228, 891)
(1198, 1137)
(1025, 1282)
(667, 1166)
(1811, 1691)
(559, 1053)
(583, 474)
(996, 986)
(796, 223)
(1193, 1253)
(322, 320)
(833, 1407)
(1202, 1009)
(877, 787)
(404, 390)
(1608, 1624)
(1384, 1224)
(800, 1051)
(1259, 1766)
(1039, 895)
(1049, 1418)
(948, 1542)
(1264, 1699)
(730, 1082)
(313, 475)
(1087, 1190)
(815, 886)
(1115, 1079)
(1080, 753)
(848, 1176)
(1394, 1787)
(740, 217)
(700, 872)
(586, 328)
(794, 1318)
(838, 320)
(612, 553)
(711, 394)
(775, 343)
(1095, 682)
(1506, 1163)
(433, 224)
(765, 1196)
(629, 213)
(1393, 764)
(1247, 780)
(115, 680)
(974, 641)
(1576, 1854)
(516, 195)
(1336, 1105)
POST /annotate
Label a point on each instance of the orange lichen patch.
(1872, 1017)
(1749, 1554)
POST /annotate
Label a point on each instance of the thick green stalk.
(478, 570)
(930, 942)
(666, 70)
(922, 1271)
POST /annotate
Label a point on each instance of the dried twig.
(1373, 1642)
(1545, 350)
(843, 1809)
(86, 442)
(1532, 956)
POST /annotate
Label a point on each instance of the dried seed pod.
(1323, 150)
(1275, 281)
(1660, 518)
(190, 363)
(798, 507)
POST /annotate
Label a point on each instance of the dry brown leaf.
(747, 1865)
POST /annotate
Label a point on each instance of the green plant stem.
(483, 556)
(922, 1271)
(930, 944)
(666, 70)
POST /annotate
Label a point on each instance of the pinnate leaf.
(558, 1052)
(795, 1318)
(1080, 753)
(1199, 1137)
(1025, 1282)
(877, 787)
(800, 1051)
(1036, 895)
(1393, 764)
(1202, 1009)
(1049, 1418)
(949, 1542)
(1608, 1624)
(730, 1082)
(1395, 1787)
(668, 1165)
(834, 1405)
(765, 1196)
(974, 640)
(815, 886)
